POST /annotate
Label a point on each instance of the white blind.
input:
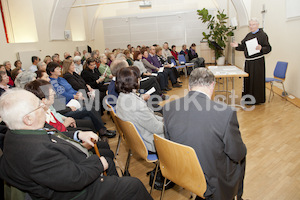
(177, 29)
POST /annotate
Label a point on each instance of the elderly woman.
(128, 57)
(6, 67)
(78, 65)
(131, 107)
(47, 59)
(24, 77)
(42, 66)
(54, 119)
(104, 68)
(110, 58)
(4, 82)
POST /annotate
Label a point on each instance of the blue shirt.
(62, 87)
(111, 90)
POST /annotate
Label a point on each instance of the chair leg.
(185, 71)
(157, 164)
(284, 92)
(163, 190)
(271, 90)
(126, 170)
(118, 146)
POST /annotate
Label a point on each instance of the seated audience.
(128, 57)
(78, 65)
(42, 75)
(49, 165)
(83, 119)
(95, 56)
(110, 58)
(42, 66)
(166, 53)
(193, 57)
(104, 68)
(213, 131)
(174, 52)
(24, 77)
(184, 50)
(60, 85)
(4, 82)
(171, 71)
(133, 108)
(7, 67)
(15, 72)
(18, 64)
(35, 60)
(47, 59)
(92, 76)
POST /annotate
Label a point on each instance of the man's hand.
(69, 121)
(88, 138)
(89, 87)
(78, 96)
(234, 44)
(73, 108)
(104, 163)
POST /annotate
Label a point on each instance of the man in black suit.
(49, 165)
(212, 130)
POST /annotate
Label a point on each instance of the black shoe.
(179, 81)
(176, 85)
(164, 97)
(163, 92)
(168, 89)
(109, 133)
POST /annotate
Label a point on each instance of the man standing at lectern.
(255, 63)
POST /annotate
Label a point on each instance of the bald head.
(18, 109)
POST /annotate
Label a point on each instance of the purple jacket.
(154, 61)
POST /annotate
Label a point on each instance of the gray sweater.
(132, 108)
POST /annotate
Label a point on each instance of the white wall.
(283, 37)
(42, 12)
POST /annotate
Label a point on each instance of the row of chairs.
(182, 64)
(185, 172)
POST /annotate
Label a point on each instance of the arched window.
(18, 20)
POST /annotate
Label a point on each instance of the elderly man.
(49, 165)
(212, 130)
(4, 79)
(255, 63)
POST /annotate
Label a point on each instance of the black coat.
(90, 77)
(214, 135)
(48, 167)
(76, 81)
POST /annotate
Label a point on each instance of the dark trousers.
(149, 83)
(171, 75)
(163, 80)
(92, 115)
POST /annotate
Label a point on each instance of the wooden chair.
(179, 163)
(135, 144)
(113, 116)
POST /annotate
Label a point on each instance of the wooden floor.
(271, 133)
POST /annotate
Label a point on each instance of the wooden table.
(227, 72)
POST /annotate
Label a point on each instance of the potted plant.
(218, 31)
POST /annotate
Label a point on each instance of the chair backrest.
(280, 70)
(113, 116)
(173, 61)
(133, 139)
(181, 59)
(180, 164)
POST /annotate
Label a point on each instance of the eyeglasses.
(41, 105)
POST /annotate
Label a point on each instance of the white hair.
(76, 58)
(121, 56)
(254, 19)
(14, 105)
(40, 64)
(24, 77)
(102, 56)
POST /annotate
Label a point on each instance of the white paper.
(151, 91)
(172, 64)
(144, 79)
(161, 69)
(74, 103)
(251, 46)
(153, 74)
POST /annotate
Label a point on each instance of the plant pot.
(221, 61)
